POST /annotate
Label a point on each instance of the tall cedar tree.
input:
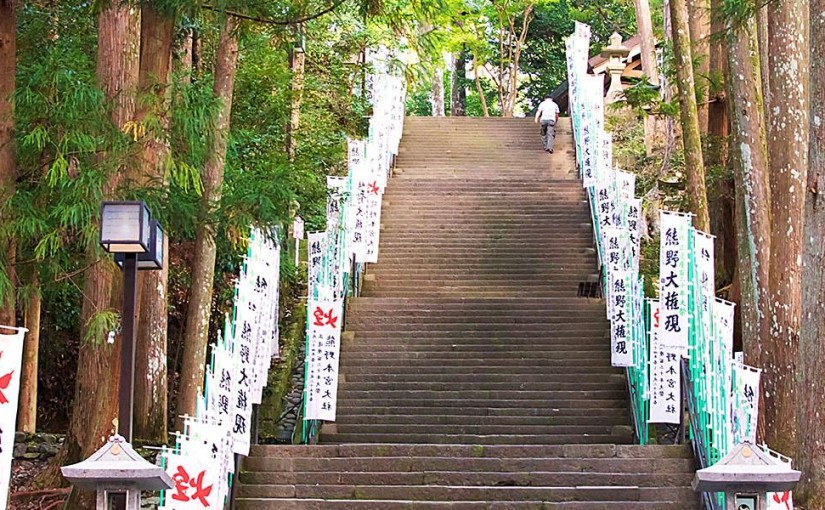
(437, 91)
(694, 161)
(753, 193)
(810, 457)
(196, 335)
(8, 168)
(788, 148)
(458, 86)
(27, 407)
(722, 204)
(296, 64)
(156, 37)
(94, 412)
(699, 22)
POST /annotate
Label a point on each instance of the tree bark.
(654, 126)
(694, 161)
(481, 97)
(297, 65)
(157, 34)
(650, 64)
(196, 335)
(722, 205)
(788, 133)
(762, 35)
(458, 94)
(185, 53)
(27, 408)
(753, 193)
(437, 92)
(810, 457)
(8, 168)
(699, 21)
(94, 412)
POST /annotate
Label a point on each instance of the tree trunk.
(458, 94)
(668, 94)
(481, 97)
(810, 457)
(94, 412)
(788, 148)
(157, 34)
(699, 21)
(27, 408)
(185, 52)
(298, 59)
(762, 35)
(722, 206)
(650, 64)
(437, 93)
(694, 162)
(203, 268)
(753, 194)
(654, 126)
(8, 168)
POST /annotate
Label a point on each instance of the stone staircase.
(473, 376)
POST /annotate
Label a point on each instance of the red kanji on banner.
(183, 482)
(656, 317)
(374, 189)
(783, 497)
(4, 384)
(324, 319)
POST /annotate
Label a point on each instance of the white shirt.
(547, 110)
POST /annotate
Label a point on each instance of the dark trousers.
(548, 133)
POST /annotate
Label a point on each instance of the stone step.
(514, 439)
(483, 378)
(515, 370)
(463, 493)
(382, 504)
(494, 479)
(608, 417)
(462, 451)
(570, 292)
(258, 467)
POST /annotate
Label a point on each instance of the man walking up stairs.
(474, 377)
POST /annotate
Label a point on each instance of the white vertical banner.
(634, 227)
(195, 484)
(665, 374)
(372, 225)
(324, 347)
(315, 260)
(588, 155)
(723, 314)
(706, 276)
(240, 402)
(11, 355)
(606, 151)
(673, 283)
(357, 211)
(604, 201)
(620, 283)
(745, 403)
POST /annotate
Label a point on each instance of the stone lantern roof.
(117, 466)
(747, 468)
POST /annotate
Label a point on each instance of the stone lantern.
(746, 475)
(117, 473)
(615, 53)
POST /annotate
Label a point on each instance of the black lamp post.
(128, 231)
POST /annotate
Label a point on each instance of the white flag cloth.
(324, 347)
(665, 374)
(673, 279)
(11, 355)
